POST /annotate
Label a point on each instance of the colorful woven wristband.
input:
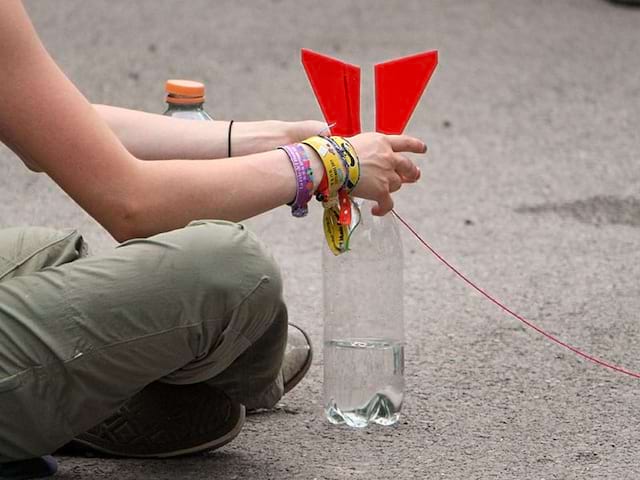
(350, 160)
(352, 167)
(334, 169)
(304, 178)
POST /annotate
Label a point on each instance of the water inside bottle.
(364, 381)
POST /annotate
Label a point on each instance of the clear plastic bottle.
(185, 99)
(364, 325)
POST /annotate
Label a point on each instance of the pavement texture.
(531, 186)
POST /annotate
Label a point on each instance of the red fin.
(399, 86)
(337, 88)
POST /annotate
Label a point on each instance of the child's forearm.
(151, 136)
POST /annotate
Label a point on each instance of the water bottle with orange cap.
(185, 99)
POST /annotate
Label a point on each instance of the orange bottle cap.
(184, 91)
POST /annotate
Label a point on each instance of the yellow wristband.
(334, 171)
(352, 162)
(342, 172)
(337, 235)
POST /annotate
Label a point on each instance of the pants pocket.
(8, 384)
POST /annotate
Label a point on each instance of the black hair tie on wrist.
(229, 140)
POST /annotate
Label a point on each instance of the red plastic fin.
(399, 86)
(337, 88)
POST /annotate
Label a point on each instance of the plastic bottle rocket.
(363, 288)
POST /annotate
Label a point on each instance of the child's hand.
(383, 167)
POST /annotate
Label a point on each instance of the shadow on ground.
(598, 210)
(218, 464)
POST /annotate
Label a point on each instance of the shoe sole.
(297, 378)
(130, 432)
(213, 445)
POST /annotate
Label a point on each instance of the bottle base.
(380, 410)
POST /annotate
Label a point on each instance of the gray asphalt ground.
(531, 186)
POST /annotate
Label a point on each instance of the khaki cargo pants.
(80, 335)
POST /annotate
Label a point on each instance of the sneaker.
(297, 357)
(165, 421)
(26, 469)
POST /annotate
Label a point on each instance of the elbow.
(125, 222)
(127, 211)
(124, 232)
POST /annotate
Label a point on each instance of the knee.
(34, 248)
(230, 265)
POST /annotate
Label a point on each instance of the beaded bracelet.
(304, 178)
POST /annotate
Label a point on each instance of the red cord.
(529, 324)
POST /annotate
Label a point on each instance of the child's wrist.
(254, 137)
(316, 166)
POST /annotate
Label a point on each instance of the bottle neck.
(179, 107)
(194, 111)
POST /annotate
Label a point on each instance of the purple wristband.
(304, 178)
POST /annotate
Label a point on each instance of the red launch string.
(520, 318)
